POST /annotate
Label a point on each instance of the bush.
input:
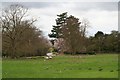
(83, 53)
(66, 52)
(91, 53)
(54, 52)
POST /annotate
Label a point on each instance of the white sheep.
(46, 57)
(49, 54)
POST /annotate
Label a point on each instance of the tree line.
(72, 31)
(105, 43)
(20, 37)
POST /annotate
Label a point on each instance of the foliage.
(60, 22)
(51, 50)
(72, 35)
(104, 42)
(69, 34)
(20, 36)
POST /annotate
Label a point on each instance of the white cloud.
(59, 0)
(102, 16)
(102, 20)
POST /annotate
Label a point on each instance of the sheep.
(46, 57)
(49, 55)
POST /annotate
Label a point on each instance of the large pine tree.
(60, 22)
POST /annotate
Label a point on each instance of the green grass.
(63, 66)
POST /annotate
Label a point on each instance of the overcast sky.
(103, 16)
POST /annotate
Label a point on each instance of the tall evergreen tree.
(60, 22)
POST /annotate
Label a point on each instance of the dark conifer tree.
(60, 22)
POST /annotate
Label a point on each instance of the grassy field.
(63, 66)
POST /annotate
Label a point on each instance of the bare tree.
(72, 35)
(12, 19)
(84, 25)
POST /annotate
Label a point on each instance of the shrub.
(66, 52)
(91, 53)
